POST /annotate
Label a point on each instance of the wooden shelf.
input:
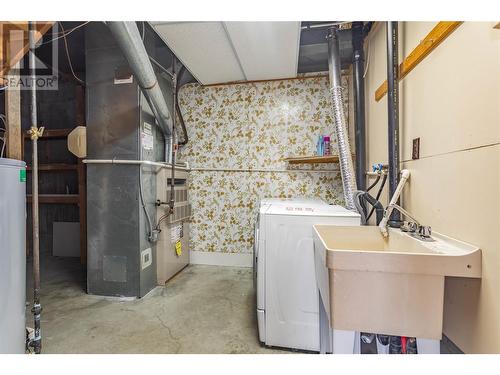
(55, 198)
(313, 159)
(55, 167)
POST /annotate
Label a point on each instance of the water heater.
(12, 256)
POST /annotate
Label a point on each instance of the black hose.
(377, 198)
(374, 183)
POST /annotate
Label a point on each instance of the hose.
(377, 197)
(374, 183)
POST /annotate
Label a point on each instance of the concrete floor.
(204, 309)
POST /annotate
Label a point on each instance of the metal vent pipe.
(344, 149)
(130, 42)
(359, 102)
(393, 113)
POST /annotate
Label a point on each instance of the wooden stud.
(439, 33)
(13, 125)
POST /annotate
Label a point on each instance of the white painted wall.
(451, 100)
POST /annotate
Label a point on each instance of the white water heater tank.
(12, 256)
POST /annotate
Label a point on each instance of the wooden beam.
(439, 33)
(13, 126)
(55, 198)
(55, 167)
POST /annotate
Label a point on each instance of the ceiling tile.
(204, 48)
(266, 50)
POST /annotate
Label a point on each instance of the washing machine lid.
(12, 162)
(298, 200)
(310, 210)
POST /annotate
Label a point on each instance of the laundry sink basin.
(393, 285)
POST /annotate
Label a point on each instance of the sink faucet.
(414, 227)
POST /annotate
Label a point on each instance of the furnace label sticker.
(147, 136)
(178, 248)
(176, 233)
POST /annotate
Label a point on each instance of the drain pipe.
(35, 133)
(130, 41)
(344, 150)
(393, 113)
(359, 102)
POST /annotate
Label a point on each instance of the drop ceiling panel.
(266, 50)
(204, 48)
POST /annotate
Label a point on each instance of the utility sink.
(392, 286)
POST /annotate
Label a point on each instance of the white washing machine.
(287, 295)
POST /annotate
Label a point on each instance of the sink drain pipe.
(344, 149)
(393, 114)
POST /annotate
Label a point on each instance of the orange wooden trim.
(439, 33)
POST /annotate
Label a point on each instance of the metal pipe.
(185, 139)
(359, 102)
(344, 150)
(393, 112)
(35, 133)
(130, 41)
(173, 150)
(134, 162)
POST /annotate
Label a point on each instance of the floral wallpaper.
(239, 136)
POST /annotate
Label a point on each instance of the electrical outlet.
(415, 154)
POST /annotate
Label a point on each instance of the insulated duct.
(344, 149)
(130, 41)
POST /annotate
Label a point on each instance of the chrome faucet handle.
(409, 226)
(425, 231)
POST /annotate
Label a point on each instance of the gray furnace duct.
(121, 125)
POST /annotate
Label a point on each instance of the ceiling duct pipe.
(130, 41)
(359, 102)
(393, 113)
(344, 149)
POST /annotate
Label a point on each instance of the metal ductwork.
(344, 149)
(130, 41)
